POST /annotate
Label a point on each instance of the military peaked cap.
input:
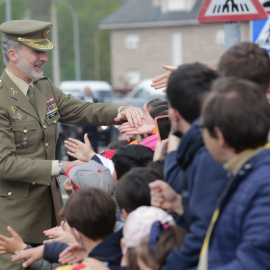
(31, 33)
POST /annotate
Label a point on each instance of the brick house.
(148, 33)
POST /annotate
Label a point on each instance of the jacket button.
(44, 126)
(33, 183)
(25, 131)
(47, 145)
(9, 193)
(55, 121)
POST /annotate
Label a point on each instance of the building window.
(132, 41)
(177, 48)
(133, 77)
(220, 37)
(176, 5)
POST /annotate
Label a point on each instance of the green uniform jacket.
(29, 197)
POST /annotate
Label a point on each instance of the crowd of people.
(198, 199)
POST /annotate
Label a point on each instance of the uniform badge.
(13, 91)
(19, 117)
(51, 108)
(13, 109)
(24, 142)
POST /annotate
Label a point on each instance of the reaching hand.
(162, 80)
(55, 231)
(148, 124)
(79, 150)
(132, 114)
(68, 187)
(59, 234)
(163, 196)
(73, 254)
(12, 244)
(31, 255)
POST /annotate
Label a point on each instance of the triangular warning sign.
(263, 39)
(231, 11)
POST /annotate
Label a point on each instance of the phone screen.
(163, 126)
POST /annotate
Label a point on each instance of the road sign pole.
(232, 34)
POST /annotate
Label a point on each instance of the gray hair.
(8, 44)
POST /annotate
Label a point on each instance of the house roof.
(141, 14)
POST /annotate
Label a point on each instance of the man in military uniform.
(30, 109)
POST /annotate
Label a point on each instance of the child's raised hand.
(11, 244)
(54, 232)
(30, 255)
(79, 150)
(73, 254)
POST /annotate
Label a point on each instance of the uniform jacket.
(204, 181)
(241, 236)
(29, 197)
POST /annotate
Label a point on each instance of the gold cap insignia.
(46, 32)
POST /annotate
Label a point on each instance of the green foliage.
(95, 62)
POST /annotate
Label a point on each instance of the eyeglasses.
(200, 126)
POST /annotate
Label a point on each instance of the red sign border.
(260, 15)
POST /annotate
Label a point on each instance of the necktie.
(32, 97)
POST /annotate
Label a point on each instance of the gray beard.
(29, 71)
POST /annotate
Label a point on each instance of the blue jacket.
(108, 251)
(241, 236)
(192, 166)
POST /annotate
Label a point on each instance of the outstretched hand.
(68, 187)
(72, 254)
(11, 244)
(55, 231)
(161, 81)
(79, 150)
(148, 124)
(30, 255)
(132, 114)
(59, 234)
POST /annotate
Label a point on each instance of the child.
(138, 225)
(90, 217)
(153, 249)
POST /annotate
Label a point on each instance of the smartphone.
(163, 125)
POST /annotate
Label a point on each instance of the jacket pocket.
(14, 189)
(24, 133)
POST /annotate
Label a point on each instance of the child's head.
(133, 190)
(153, 249)
(138, 224)
(91, 174)
(92, 212)
(131, 156)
